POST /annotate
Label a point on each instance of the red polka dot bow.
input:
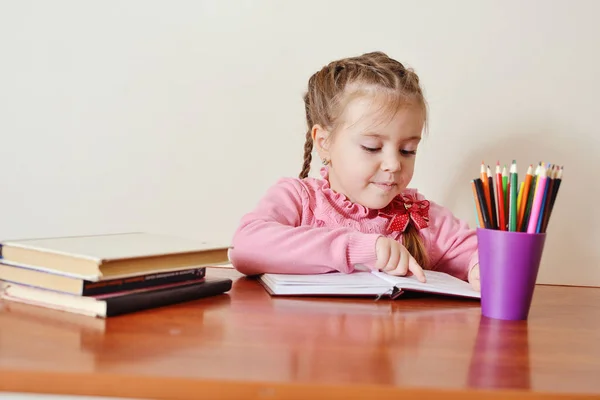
(413, 210)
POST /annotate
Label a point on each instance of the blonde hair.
(330, 90)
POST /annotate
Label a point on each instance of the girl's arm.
(452, 244)
(271, 238)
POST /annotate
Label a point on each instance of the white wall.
(175, 116)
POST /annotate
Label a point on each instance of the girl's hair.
(330, 90)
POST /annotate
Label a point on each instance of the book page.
(436, 282)
(360, 279)
(357, 283)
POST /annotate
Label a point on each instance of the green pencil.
(514, 189)
(505, 187)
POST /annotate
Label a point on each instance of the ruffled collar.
(358, 209)
(347, 205)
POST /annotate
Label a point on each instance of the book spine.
(163, 297)
(141, 281)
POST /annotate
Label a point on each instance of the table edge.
(164, 387)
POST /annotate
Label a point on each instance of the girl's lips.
(385, 186)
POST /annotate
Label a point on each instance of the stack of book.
(108, 275)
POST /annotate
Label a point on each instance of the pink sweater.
(304, 227)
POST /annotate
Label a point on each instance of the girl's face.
(371, 154)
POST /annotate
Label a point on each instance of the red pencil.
(500, 194)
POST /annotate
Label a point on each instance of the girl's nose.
(391, 164)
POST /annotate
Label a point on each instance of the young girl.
(365, 117)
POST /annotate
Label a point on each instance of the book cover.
(80, 286)
(98, 257)
(114, 304)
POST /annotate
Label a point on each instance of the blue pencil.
(540, 221)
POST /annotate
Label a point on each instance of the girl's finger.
(416, 269)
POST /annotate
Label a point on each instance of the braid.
(308, 145)
(414, 244)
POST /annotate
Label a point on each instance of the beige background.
(175, 116)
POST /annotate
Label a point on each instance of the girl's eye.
(370, 149)
(408, 152)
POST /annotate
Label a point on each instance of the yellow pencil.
(520, 196)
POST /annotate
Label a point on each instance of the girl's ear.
(320, 137)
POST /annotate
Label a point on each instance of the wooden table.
(249, 345)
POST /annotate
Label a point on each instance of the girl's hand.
(474, 278)
(394, 259)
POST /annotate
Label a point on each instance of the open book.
(364, 284)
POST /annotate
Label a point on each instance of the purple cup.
(508, 268)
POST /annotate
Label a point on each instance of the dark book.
(113, 304)
(75, 285)
(142, 281)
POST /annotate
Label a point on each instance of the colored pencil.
(537, 200)
(486, 190)
(506, 188)
(524, 197)
(494, 218)
(555, 187)
(477, 206)
(546, 204)
(476, 215)
(512, 208)
(551, 195)
(545, 199)
(500, 198)
(481, 197)
(530, 197)
(519, 200)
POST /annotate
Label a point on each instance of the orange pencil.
(477, 206)
(523, 202)
(486, 189)
(500, 195)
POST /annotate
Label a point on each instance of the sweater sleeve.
(452, 244)
(271, 238)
